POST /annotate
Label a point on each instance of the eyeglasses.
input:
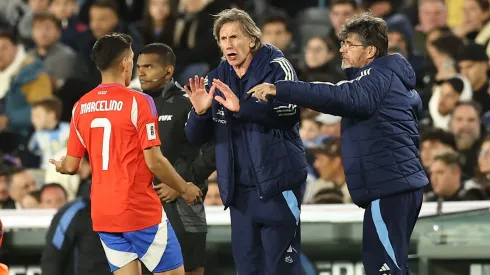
(349, 45)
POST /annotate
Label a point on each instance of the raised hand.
(192, 194)
(200, 99)
(261, 91)
(231, 101)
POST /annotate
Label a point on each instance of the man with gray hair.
(379, 135)
(261, 161)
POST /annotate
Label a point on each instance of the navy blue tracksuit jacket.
(380, 111)
(259, 146)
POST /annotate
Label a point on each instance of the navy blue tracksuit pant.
(388, 225)
(266, 235)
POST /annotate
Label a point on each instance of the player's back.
(115, 124)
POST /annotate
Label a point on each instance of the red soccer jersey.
(115, 124)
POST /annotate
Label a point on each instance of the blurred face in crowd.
(327, 167)
(29, 202)
(8, 51)
(38, 5)
(431, 148)
(381, 8)
(22, 183)
(448, 99)
(45, 33)
(4, 191)
(53, 198)
(445, 179)
(41, 118)
(63, 9)
(465, 126)
(309, 129)
(213, 196)
(194, 6)
(317, 53)
(431, 50)
(235, 44)
(339, 14)
(484, 157)
(159, 9)
(473, 15)
(397, 44)
(475, 71)
(276, 33)
(432, 14)
(354, 54)
(102, 21)
(151, 68)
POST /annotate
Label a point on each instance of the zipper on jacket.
(251, 166)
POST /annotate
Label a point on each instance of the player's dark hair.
(437, 134)
(9, 34)
(52, 104)
(371, 30)
(109, 49)
(449, 158)
(53, 185)
(46, 16)
(166, 54)
(353, 3)
(108, 4)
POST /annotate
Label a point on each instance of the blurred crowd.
(45, 67)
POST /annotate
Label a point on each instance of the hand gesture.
(261, 91)
(200, 99)
(165, 193)
(231, 101)
(192, 194)
(57, 164)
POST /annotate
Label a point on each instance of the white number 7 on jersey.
(106, 124)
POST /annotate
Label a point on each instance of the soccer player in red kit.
(118, 128)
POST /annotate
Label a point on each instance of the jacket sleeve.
(199, 129)
(355, 98)
(274, 113)
(60, 241)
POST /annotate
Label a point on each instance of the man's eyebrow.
(144, 65)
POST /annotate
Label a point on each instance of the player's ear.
(170, 72)
(252, 42)
(372, 50)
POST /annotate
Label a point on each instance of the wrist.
(201, 112)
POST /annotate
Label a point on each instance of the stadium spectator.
(328, 163)
(59, 60)
(22, 81)
(260, 160)
(194, 164)
(71, 26)
(13, 11)
(447, 183)
(158, 24)
(50, 136)
(432, 14)
(433, 142)
(25, 25)
(476, 15)
(5, 201)
(446, 95)
(321, 61)
(399, 42)
(20, 183)
(194, 45)
(473, 64)
(53, 196)
(465, 125)
(330, 125)
(72, 247)
(277, 31)
(212, 196)
(388, 10)
(340, 11)
(309, 131)
(32, 200)
(104, 19)
(482, 175)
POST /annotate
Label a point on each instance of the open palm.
(201, 100)
(230, 100)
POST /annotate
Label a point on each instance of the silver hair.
(248, 25)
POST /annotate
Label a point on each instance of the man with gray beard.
(465, 125)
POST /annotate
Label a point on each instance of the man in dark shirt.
(156, 66)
